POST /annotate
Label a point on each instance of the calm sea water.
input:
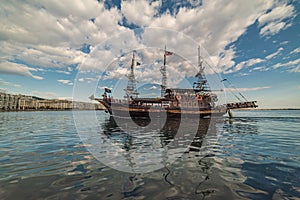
(254, 156)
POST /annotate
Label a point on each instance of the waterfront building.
(18, 102)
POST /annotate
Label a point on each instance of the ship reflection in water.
(147, 147)
(166, 134)
(192, 156)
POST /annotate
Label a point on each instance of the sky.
(50, 48)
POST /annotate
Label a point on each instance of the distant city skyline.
(254, 44)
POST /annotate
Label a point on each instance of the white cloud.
(292, 66)
(297, 50)
(81, 79)
(3, 82)
(65, 98)
(153, 87)
(65, 82)
(284, 42)
(295, 69)
(277, 14)
(87, 79)
(109, 51)
(48, 56)
(225, 61)
(243, 74)
(57, 23)
(211, 25)
(272, 22)
(245, 64)
(63, 72)
(273, 28)
(254, 61)
(130, 8)
(246, 89)
(18, 69)
(49, 34)
(274, 54)
(47, 95)
(215, 25)
(261, 68)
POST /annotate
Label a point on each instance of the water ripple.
(256, 156)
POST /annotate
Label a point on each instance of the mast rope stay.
(231, 85)
(222, 80)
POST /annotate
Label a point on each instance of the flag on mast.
(107, 90)
(168, 53)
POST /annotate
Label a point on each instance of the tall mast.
(199, 61)
(131, 85)
(164, 75)
(201, 85)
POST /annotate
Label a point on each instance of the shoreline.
(267, 109)
(34, 110)
(99, 109)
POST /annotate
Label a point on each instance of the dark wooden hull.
(135, 111)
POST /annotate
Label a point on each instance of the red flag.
(168, 53)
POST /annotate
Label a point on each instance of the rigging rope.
(229, 84)
(237, 90)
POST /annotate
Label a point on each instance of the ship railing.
(239, 105)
